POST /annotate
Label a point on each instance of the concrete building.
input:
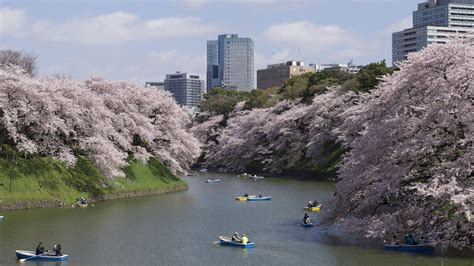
(275, 75)
(230, 63)
(187, 89)
(155, 85)
(435, 21)
(349, 67)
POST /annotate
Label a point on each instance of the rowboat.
(410, 248)
(227, 241)
(212, 180)
(245, 198)
(313, 209)
(307, 225)
(30, 255)
(1, 217)
(259, 198)
(82, 205)
(257, 177)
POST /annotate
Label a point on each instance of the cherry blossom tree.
(277, 138)
(411, 158)
(107, 121)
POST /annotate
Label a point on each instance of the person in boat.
(315, 204)
(409, 240)
(310, 204)
(40, 249)
(306, 219)
(395, 240)
(82, 201)
(246, 195)
(236, 238)
(245, 239)
(58, 252)
(260, 195)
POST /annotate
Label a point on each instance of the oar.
(32, 257)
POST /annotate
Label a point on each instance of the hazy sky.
(142, 40)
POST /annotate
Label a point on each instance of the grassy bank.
(44, 179)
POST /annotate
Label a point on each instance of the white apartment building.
(187, 89)
(435, 21)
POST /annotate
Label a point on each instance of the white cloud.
(120, 27)
(12, 21)
(109, 28)
(305, 33)
(195, 3)
(136, 68)
(303, 40)
(400, 25)
(262, 60)
(171, 61)
(201, 3)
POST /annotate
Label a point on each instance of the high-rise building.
(275, 75)
(187, 89)
(212, 79)
(435, 21)
(230, 63)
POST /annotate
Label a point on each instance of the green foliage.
(43, 178)
(368, 77)
(221, 101)
(306, 86)
(263, 98)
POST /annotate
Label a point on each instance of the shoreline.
(315, 176)
(24, 205)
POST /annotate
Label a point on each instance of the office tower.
(435, 21)
(212, 77)
(230, 63)
(187, 89)
(275, 75)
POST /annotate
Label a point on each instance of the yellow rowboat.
(245, 198)
(313, 209)
(83, 205)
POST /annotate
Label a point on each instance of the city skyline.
(143, 42)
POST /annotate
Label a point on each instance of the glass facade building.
(435, 21)
(447, 13)
(212, 77)
(187, 89)
(231, 63)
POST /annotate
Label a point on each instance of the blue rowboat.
(307, 225)
(30, 255)
(410, 248)
(227, 241)
(259, 198)
(212, 180)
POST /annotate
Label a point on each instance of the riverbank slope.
(44, 182)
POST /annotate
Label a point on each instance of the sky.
(143, 40)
